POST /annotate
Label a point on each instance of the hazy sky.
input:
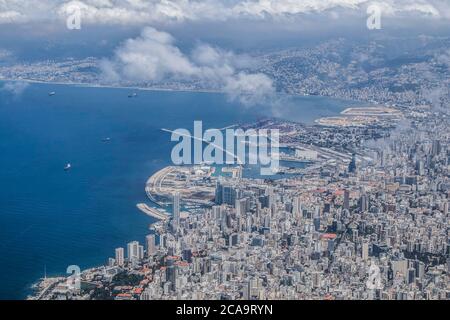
(35, 28)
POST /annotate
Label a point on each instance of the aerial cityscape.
(178, 164)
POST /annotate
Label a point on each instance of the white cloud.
(250, 89)
(153, 57)
(283, 7)
(11, 17)
(140, 12)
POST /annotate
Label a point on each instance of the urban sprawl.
(366, 218)
(358, 209)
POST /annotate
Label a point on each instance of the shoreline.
(156, 89)
(90, 85)
(106, 86)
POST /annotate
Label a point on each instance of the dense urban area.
(366, 217)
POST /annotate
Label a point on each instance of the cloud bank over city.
(141, 12)
(154, 57)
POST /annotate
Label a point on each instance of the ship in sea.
(52, 93)
(108, 139)
(67, 167)
(132, 95)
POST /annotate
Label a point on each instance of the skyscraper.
(226, 193)
(365, 250)
(151, 245)
(436, 147)
(176, 210)
(316, 279)
(364, 203)
(218, 195)
(297, 207)
(352, 165)
(171, 272)
(141, 252)
(229, 195)
(241, 207)
(120, 256)
(346, 199)
(133, 251)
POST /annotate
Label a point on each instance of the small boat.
(67, 167)
(106, 139)
(52, 93)
(132, 95)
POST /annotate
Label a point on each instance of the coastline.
(87, 85)
(93, 85)
(158, 89)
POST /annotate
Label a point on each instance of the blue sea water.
(52, 218)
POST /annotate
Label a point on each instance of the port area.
(362, 117)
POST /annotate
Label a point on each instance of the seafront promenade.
(152, 212)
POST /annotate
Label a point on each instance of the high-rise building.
(364, 203)
(176, 211)
(420, 167)
(120, 256)
(133, 251)
(241, 207)
(253, 288)
(264, 201)
(411, 275)
(171, 272)
(141, 252)
(229, 195)
(216, 212)
(163, 240)
(316, 223)
(233, 240)
(352, 165)
(346, 199)
(218, 193)
(365, 250)
(271, 195)
(436, 148)
(226, 193)
(151, 244)
(419, 266)
(297, 207)
(316, 279)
